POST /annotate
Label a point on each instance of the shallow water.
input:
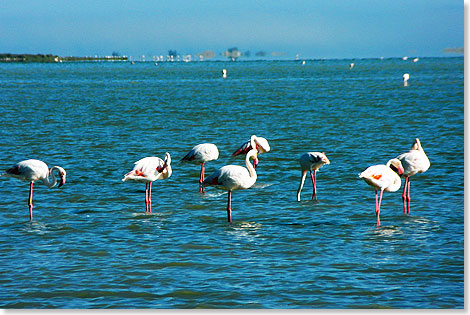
(91, 245)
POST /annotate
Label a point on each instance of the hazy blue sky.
(310, 28)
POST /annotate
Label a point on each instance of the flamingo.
(260, 143)
(201, 154)
(311, 161)
(415, 161)
(32, 170)
(224, 73)
(406, 77)
(232, 177)
(147, 170)
(383, 177)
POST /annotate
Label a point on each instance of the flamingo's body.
(406, 77)
(415, 161)
(232, 177)
(311, 161)
(147, 170)
(258, 143)
(33, 170)
(383, 178)
(201, 154)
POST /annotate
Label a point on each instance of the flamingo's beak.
(62, 180)
(255, 162)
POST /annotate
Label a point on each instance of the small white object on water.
(224, 73)
(406, 76)
(415, 60)
(405, 58)
(351, 65)
(303, 62)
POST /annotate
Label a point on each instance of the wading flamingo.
(201, 154)
(146, 171)
(311, 161)
(383, 178)
(406, 77)
(32, 170)
(260, 143)
(232, 177)
(415, 161)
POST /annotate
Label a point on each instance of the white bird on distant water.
(351, 65)
(416, 60)
(232, 177)
(146, 171)
(201, 154)
(415, 161)
(32, 170)
(406, 77)
(224, 73)
(383, 178)
(311, 161)
(261, 144)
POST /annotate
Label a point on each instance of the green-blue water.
(91, 245)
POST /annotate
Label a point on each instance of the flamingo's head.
(324, 159)
(396, 166)
(63, 177)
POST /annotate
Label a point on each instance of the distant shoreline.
(49, 58)
(54, 58)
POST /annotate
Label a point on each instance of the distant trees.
(232, 53)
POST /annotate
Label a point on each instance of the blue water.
(91, 245)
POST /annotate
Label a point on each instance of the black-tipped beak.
(62, 181)
(255, 163)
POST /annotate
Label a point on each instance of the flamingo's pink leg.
(377, 205)
(407, 178)
(150, 197)
(408, 196)
(229, 206)
(201, 179)
(30, 201)
(146, 198)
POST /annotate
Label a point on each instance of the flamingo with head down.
(200, 154)
(383, 178)
(311, 161)
(33, 170)
(147, 170)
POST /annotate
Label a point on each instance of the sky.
(307, 28)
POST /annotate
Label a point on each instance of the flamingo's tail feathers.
(188, 157)
(128, 176)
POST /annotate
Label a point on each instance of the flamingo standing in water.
(260, 143)
(383, 177)
(311, 161)
(147, 170)
(232, 177)
(32, 170)
(406, 77)
(415, 161)
(201, 154)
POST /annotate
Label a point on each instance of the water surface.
(92, 246)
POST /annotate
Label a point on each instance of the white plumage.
(414, 161)
(311, 161)
(261, 144)
(33, 170)
(146, 171)
(383, 178)
(232, 177)
(200, 154)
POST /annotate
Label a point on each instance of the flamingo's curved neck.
(50, 181)
(250, 167)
